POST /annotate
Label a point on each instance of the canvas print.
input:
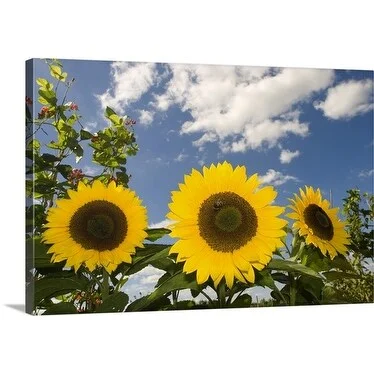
(159, 187)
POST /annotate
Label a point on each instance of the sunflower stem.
(105, 285)
(292, 289)
(231, 295)
(121, 282)
(174, 298)
(207, 296)
(221, 293)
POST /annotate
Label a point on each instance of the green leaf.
(335, 275)
(313, 286)
(264, 279)
(78, 151)
(35, 145)
(64, 170)
(166, 264)
(43, 101)
(315, 260)
(163, 278)
(114, 303)
(162, 303)
(51, 287)
(182, 305)
(290, 266)
(331, 296)
(155, 234)
(57, 73)
(195, 293)
(72, 119)
(109, 112)
(54, 145)
(43, 184)
(61, 308)
(141, 260)
(243, 301)
(42, 82)
(37, 251)
(178, 281)
(35, 217)
(122, 178)
(341, 262)
(47, 157)
(280, 277)
(85, 135)
(49, 96)
(113, 117)
(148, 250)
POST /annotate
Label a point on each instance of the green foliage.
(142, 304)
(357, 285)
(51, 176)
(37, 250)
(150, 255)
(61, 308)
(112, 145)
(85, 135)
(35, 218)
(291, 266)
(176, 282)
(57, 73)
(359, 209)
(114, 303)
(155, 234)
(49, 287)
(242, 301)
(298, 274)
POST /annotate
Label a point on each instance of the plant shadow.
(18, 307)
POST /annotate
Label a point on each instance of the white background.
(277, 33)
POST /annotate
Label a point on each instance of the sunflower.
(225, 224)
(97, 226)
(319, 223)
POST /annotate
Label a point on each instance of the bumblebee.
(218, 204)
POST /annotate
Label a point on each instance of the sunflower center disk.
(317, 219)
(99, 225)
(227, 221)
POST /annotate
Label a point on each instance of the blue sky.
(294, 127)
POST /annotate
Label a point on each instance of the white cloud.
(158, 161)
(241, 107)
(209, 137)
(287, 156)
(151, 279)
(347, 99)
(129, 82)
(181, 157)
(90, 126)
(266, 134)
(91, 170)
(276, 178)
(201, 158)
(146, 117)
(291, 116)
(366, 173)
(164, 223)
(143, 282)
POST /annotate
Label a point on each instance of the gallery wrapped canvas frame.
(174, 187)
